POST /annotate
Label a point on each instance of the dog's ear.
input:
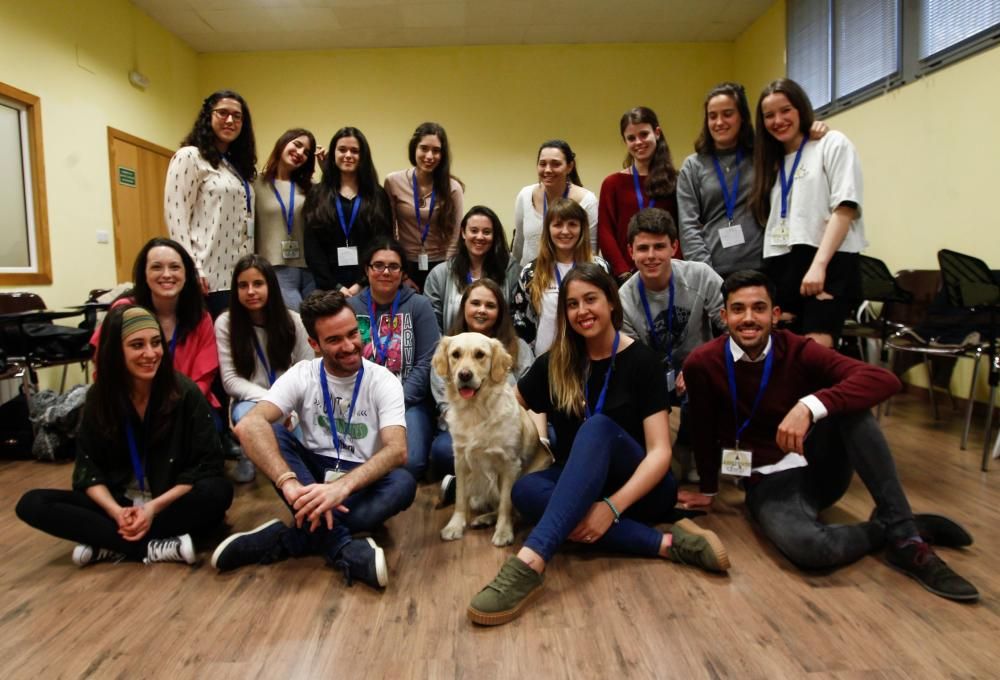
(500, 362)
(440, 360)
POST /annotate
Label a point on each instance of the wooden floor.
(599, 616)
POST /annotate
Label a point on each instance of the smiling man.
(672, 305)
(791, 418)
(344, 476)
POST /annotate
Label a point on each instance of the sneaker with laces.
(503, 599)
(173, 549)
(363, 560)
(917, 560)
(262, 545)
(87, 554)
(447, 494)
(697, 546)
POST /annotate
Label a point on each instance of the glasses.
(379, 267)
(223, 114)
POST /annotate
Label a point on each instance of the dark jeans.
(420, 428)
(603, 457)
(786, 504)
(369, 508)
(72, 515)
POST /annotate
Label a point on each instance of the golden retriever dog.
(495, 441)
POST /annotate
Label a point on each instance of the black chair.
(971, 285)
(879, 290)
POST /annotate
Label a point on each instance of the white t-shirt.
(547, 319)
(379, 405)
(828, 174)
(528, 224)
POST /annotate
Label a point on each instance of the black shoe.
(942, 531)
(446, 496)
(937, 530)
(362, 560)
(258, 546)
(917, 560)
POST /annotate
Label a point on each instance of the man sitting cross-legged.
(339, 480)
(792, 418)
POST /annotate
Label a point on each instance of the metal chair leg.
(968, 407)
(930, 387)
(989, 430)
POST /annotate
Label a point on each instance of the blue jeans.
(787, 504)
(442, 455)
(603, 457)
(296, 283)
(420, 429)
(369, 508)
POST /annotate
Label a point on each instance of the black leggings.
(72, 515)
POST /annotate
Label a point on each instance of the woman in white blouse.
(557, 178)
(208, 201)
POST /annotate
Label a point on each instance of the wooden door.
(138, 175)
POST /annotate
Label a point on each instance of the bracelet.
(611, 505)
(284, 478)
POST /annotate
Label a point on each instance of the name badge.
(671, 380)
(333, 475)
(731, 236)
(347, 255)
(737, 462)
(779, 234)
(423, 262)
(290, 249)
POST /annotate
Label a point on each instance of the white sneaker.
(85, 554)
(173, 549)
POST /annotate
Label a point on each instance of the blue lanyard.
(786, 183)
(289, 212)
(329, 405)
(559, 276)
(347, 226)
(381, 349)
(607, 381)
(263, 360)
(545, 200)
(173, 341)
(638, 191)
(416, 209)
(133, 450)
(246, 184)
(729, 197)
(765, 378)
(670, 317)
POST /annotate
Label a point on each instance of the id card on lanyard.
(246, 195)
(780, 235)
(736, 460)
(337, 473)
(263, 360)
(669, 340)
(347, 255)
(423, 262)
(138, 469)
(640, 201)
(731, 235)
(289, 247)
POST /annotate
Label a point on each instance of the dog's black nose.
(465, 375)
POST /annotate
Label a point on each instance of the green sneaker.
(697, 547)
(503, 599)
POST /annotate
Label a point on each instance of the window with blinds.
(843, 52)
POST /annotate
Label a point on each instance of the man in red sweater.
(798, 429)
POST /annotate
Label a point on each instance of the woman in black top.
(149, 464)
(344, 214)
(606, 397)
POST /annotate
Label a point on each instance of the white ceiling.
(251, 25)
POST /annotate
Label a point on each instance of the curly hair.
(242, 152)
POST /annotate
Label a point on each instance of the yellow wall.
(76, 57)
(496, 103)
(759, 52)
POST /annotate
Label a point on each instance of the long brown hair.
(569, 364)
(503, 329)
(768, 152)
(278, 325)
(442, 177)
(744, 140)
(661, 181)
(561, 210)
(302, 175)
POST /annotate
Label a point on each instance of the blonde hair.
(569, 364)
(561, 210)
